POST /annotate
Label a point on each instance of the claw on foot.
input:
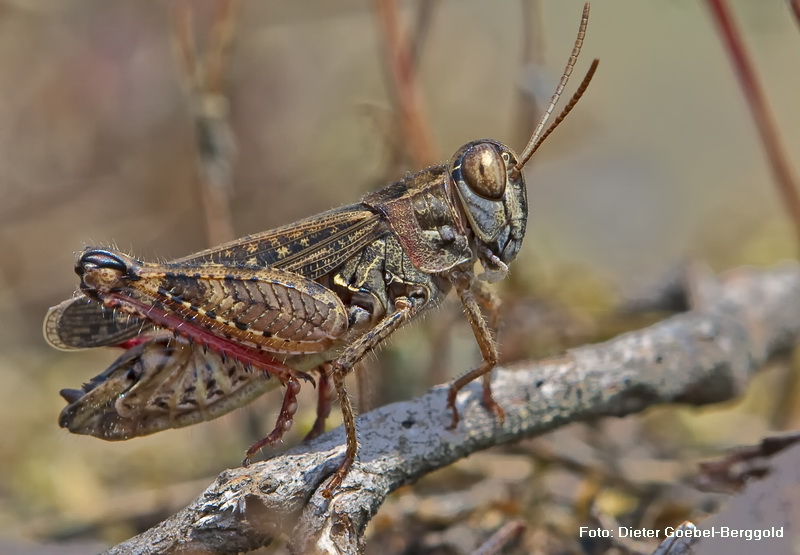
(487, 401)
(306, 377)
(492, 405)
(333, 483)
(283, 424)
(336, 479)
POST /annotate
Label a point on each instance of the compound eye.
(101, 271)
(101, 260)
(484, 170)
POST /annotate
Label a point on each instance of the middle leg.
(472, 297)
(405, 308)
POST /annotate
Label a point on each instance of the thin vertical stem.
(204, 78)
(405, 86)
(794, 5)
(531, 58)
(759, 109)
(422, 26)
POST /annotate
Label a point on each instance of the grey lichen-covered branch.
(706, 355)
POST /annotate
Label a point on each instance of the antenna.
(539, 135)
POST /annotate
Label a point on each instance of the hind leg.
(324, 401)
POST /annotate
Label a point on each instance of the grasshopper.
(209, 332)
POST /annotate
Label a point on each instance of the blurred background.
(659, 165)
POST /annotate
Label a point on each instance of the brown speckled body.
(314, 295)
(205, 333)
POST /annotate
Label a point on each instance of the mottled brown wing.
(164, 382)
(311, 248)
(82, 323)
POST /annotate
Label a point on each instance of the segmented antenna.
(539, 134)
(570, 105)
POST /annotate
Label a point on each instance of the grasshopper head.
(494, 199)
(102, 270)
(488, 177)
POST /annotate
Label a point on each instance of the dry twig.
(205, 79)
(704, 356)
(500, 539)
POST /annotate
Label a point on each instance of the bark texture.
(706, 355)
